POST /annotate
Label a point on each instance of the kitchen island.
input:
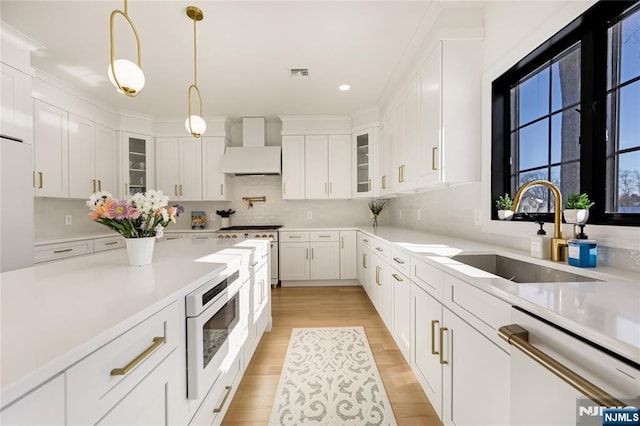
(55, 314)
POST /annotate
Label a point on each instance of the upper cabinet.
(364, 146)
(179, 168)
(328, 166)
(136, 163)
(214, 182)
(16, 103)
(51, 151)
(293, 168)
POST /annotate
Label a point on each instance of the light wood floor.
(326, 307)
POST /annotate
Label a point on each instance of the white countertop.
(53, 314)
(606, 313)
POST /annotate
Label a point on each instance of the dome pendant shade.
(195, 125)
(130, 77)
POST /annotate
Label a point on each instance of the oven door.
(210, 339)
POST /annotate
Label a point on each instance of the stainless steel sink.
(518, 271)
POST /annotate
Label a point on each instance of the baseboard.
(319, 283)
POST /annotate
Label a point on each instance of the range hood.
(253, 157)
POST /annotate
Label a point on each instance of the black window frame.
(590, 29)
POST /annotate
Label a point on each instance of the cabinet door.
(316, 168)
(325, 261)
(362, 262)
(348, 270)
(214, 182)
(51, 140)
(138, 160)
(190, 185)
(43, 406)
(410, 133)
(397, 147)
(385, 158)
(426, 320)
(106, 160)
(385, 307)
(402, 312)
(294, 261)
(293, 169)
(339, 162)
(167, 165)
(362, 163)
(150, 402)
(430, 119)
(16, 119)
(82, 134)
(475, 376)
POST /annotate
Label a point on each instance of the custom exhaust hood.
(253, 157)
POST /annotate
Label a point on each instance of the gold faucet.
(558, 244)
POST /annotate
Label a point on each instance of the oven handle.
(519, 337)
(157, 342)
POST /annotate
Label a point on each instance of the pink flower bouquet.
(143, 215)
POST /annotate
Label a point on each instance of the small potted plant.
(576, 209)
(504, 204)
(376, 207)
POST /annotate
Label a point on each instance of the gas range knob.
(220, 236)
(271, 236)
(257, 236)
(227, 236)
(264, 236)
(234, 236)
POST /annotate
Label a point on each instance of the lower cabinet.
(49, 400)
(324, 260)
(294, 261)
(348, 269)
(401, 287)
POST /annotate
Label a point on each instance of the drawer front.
(401, 260)
(94, 385)
(110, 243)
(324, 236)
(485, 312)
(364, 240)
(219, 397)
(428, 277)
(204, 236)
(174, 236)
(382, 249)
(50, 252)
(293, 236)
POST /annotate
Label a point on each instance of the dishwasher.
(559, 378)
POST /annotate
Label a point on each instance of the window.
(569, 113)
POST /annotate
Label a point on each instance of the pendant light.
(195, 124)
(126, 76)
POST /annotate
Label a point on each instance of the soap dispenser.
(541, 244)
(582, 251)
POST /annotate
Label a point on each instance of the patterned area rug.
(330, 378)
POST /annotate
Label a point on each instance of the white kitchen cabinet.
(364, 147)
(293, 168)
(51, 152)
(450, 94)
(327, 166)
(43, 406)
(294, 261)
(151, 401)
(92, 158)
(59, 251)
(325, 260)
(108, 243)
(363, 254)
(16, 119)
(179, 168)
(384, 157)
(405, 148)
(214, 182)
(348, 268)
(137, 163)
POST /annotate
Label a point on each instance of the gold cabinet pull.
(180, 189)
(519, 338)
(364, 260)
(434, 164)
(175, 189)
(342, 241)
(379, 249)
(157, 342)
(311, 253)
(99, 185)
(384, 181)
(397, 260)
(378, 275)
(399, 174)
(62, 251)
(222, 189)
(41, 175)
(442, 360)
(227, 392)
(433, 337)
(110, 243)
(94, 185)
(397, 278)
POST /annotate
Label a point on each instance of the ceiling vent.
(299, 72)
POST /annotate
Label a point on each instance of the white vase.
(576, 216)
(224, 222)
(140, 250)
(505, 214)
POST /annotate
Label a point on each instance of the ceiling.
(245, 51)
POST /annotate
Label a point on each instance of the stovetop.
(249, 227)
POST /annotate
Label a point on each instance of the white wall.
(512, 30)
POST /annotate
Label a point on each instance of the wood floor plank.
(298, 307)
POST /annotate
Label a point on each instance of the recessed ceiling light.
(344, 87)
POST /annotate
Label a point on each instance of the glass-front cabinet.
(363, 157)
(137, 163)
